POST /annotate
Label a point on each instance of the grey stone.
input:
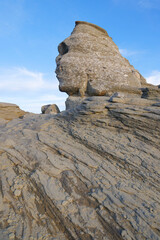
(72, 102)
(91, 172)
(151, 92)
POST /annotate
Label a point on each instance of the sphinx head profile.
(89, 63)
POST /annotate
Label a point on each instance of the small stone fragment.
(17, 192)
(12, 236)
(125, 235)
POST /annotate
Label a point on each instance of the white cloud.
(128, 53)
(34, 104)
(22, 79)
(29, 89)
(154, 78)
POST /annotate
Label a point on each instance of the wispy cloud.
(128, 53)
(146, 4)
(34, 104)
(22, 79)
(154, 78)
(149, 4)
(29, 89)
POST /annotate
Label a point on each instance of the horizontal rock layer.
(91, 172)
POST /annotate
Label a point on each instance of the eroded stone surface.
(9, 111)
(91, 172)
(89, 63)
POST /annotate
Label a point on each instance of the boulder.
(50, 109)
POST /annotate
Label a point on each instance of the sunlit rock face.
(9, 111)
(89, 63)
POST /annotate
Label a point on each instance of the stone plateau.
(91, 172)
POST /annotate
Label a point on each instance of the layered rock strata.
(91, 172)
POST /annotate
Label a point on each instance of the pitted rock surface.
(89, 63)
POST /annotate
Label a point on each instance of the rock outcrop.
(9, 111)
(87, 173)
(50, 109)
(89, 63)
(90, 172)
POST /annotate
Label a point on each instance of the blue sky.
(30, 31)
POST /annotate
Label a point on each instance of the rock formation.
(91, 172)
(50, 109)
(89, 63)
(10, 111)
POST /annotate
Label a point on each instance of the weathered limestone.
(10, 111)
(50, 109)
(89, 63)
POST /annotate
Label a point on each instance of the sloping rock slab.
(91, 172)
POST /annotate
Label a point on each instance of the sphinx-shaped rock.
(91, 172)
(89, 63)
